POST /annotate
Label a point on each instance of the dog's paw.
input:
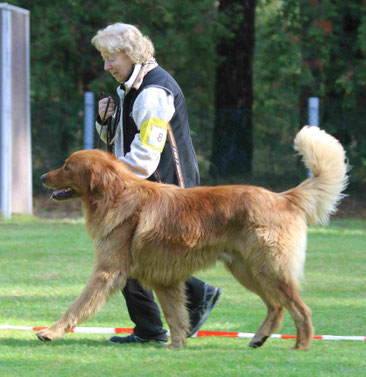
(175, 343)
(47, 335)
(298, 348)
(258, 343)
(171, 346)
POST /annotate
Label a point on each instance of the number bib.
(153, 133)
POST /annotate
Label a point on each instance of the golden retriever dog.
(161, 234)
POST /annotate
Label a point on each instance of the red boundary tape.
(199, 334)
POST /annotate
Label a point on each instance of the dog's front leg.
(100, 286)
(172, 301)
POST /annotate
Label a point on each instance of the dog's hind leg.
(275, 311)
(172, 301)
(271, 323)
(288, 295)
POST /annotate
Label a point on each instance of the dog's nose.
(43, 177)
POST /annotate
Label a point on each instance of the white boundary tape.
(199, 334)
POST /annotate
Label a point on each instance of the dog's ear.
(101, 177)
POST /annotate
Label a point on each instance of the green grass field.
(45, 264)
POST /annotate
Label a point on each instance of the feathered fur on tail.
(319, 195)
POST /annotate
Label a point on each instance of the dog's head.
(85, 172)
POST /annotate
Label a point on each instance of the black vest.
(158, 77)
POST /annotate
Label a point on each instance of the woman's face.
(118, 65)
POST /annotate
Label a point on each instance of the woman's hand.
(103, 105)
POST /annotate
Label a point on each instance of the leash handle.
(102, 94)
(106, 109)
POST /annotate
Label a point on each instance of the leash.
(104, 123)
(111, 125)
(174, 148)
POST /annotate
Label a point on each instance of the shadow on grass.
(16, 342)
(192, 345)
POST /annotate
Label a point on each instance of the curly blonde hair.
(127, 38)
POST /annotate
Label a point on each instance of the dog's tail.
(319, 195)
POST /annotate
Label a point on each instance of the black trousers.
(144, 311)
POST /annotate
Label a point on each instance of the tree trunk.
(233, 145)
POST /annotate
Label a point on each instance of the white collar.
(126, 86)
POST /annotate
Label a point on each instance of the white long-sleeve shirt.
(153, 107)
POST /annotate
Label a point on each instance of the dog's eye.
(66, 168)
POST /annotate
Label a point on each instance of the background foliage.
(302, 48)
(310, 48)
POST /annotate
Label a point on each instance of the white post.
(313, 111)
(89, 120)
(15, 135)
(5, 114)
(313, 117)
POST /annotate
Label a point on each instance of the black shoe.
(199, 315)
(134, 339)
